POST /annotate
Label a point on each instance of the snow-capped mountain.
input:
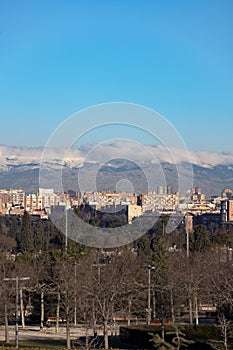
(112, 163)
(23, 156)
(74, 157)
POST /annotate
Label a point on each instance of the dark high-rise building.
(226, 211)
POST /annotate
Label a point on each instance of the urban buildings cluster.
(217, 209)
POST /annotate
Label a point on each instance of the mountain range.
(120, 165)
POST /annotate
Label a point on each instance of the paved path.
(34, 337)
(33, 333)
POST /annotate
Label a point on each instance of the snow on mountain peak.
(104, 153)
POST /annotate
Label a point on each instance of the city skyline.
(175, 58)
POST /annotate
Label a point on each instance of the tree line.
(96, 287)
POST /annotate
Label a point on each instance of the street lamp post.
(149, 267)
(75, 293)
(187, 234)
(99, 271)
(186, 220)
(17, 279)
(66, 230)
(99, 266)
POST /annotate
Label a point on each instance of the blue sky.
(57, 57)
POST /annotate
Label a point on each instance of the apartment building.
(13, 196)
(227, 211)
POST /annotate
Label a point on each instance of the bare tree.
(221, 289)
(7, 290)
(110, 283)
(7, 295)
(61, 281)
(188, 280)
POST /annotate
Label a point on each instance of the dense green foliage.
(197, 336)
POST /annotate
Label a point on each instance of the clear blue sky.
(57, 57)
